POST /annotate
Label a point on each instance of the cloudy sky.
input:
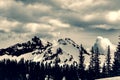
(81, 20)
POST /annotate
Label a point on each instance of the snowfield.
(111, 78)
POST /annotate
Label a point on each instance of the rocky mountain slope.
(64, 51)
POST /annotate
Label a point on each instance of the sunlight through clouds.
(113, 16)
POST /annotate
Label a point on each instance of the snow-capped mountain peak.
(66, 51)
(102, 44)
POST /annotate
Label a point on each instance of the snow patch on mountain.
(110, 78)
(69, 52)
(102, 44)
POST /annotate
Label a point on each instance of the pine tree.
(81, 64)
(92, 59)
(116, 63)
(57, 69)
(94, 67)
(97, 62)
(108, 62)
(91, 72)
(104, 70)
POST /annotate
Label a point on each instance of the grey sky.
(81, 20)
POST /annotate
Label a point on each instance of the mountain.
(102, 44)
(38, 50)
(65, 51)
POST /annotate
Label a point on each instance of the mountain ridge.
(66, 50)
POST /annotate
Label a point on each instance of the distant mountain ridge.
(29, 46)
(66, 50)
(39, 50)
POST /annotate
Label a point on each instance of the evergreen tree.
(81, 64)
(57, 70)
(91, 72)
(94, 67)
(116, 63)
(92, 59)
(97, 62)
(73, 71)
(108, 62)
(104, 70)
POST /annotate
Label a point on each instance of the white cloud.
(93, 16)
(6, 3)
(2, 4)
(22, 12)
(39, 7)
(46, 24)
(77, 5)
(58, 23)
(113, 16)
(54, 22)
(102, 26)
(7, 25)
(36, 27)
